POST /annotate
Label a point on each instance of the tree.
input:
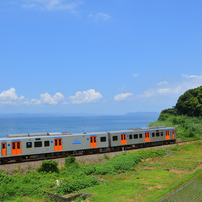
(190, 103)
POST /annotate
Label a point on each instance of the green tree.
(190, 103)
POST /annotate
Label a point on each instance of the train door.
(58, 144)
(173, 134)
(147, 138)
(167, 135)
(16, 148)
(93, 141)
(3, 148)
(123, 138)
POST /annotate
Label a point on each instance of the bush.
(163, 117)
(71, 163)
(87, 170)
(151, 153)
(104, 169)
(49, 166)
(75, 185)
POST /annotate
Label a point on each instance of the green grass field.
(133, 176)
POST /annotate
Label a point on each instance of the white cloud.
(174, 88)
(100, 16)
(122, 96)
(163, 82)
(10, 97)
(135, 75)
(47, 99)
(85, 97)
(191, 76)
(51, 5)
(34, 101)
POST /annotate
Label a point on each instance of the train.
(56, 144)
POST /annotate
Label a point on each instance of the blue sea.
(74, 124)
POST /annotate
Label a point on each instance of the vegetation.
(138, 172)
(186, 116)
(49, 166)
(189, 104)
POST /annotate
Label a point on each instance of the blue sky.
(102, 57)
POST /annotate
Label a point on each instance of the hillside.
(186, 115)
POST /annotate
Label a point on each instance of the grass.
(135, 176)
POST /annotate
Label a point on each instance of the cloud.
(51, 5)
(34, 101)
(191, 76)
(135, 75)
(100, 16)
(122, 96)
(174, 88)
(47, 99)
(163, 82)
(85, 97)
(10, 97)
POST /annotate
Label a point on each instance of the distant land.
(76, 114)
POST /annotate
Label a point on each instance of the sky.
(101, 57)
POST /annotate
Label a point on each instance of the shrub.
(75, 185)
(104, 169)
(71, 163)
(87, 170)
(163, 117)
(48, 166)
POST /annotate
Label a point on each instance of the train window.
(47, 143)
(94, 139)
(140, 135)
(130, 136)
(3, 146)
(37, 138)
(38, 144)
(29, 145)
(115, 138)
(56, 143)
(103, 139)
(60, 142)
(13, 145)
(135, 136)
(153, 135)
(18, 145)
(157, 134)
(161, 133)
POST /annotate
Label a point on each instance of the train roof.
(54, 134)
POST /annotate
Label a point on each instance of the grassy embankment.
(137, 176)
(188, 128)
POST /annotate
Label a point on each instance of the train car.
(140, 137)
(44, 145)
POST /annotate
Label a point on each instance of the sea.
(74, 124)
